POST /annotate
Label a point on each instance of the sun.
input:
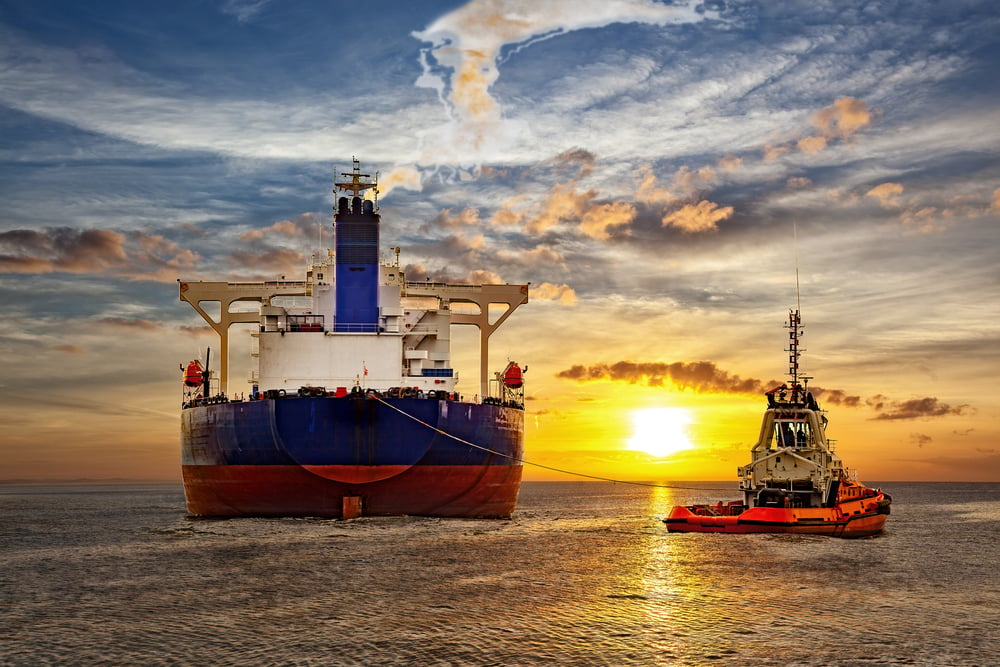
(660, 432)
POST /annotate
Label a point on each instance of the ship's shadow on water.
(582, 574)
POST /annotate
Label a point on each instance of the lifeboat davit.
(513, 378)
(194, 375)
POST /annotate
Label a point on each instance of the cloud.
(400, 177)
(649, 192)
(134, 254)
(919, 408)
(482, 277)
(269, 261)
(811, 145)
(700, 217)
(843, 118)
(418, 273)
(280, 228)
(445, 219)
(706, 377)
(681, 205)
(70, 349)
(541, 257)
(700, 376)
(836, 397)
(61, 249)
(130, 323)
(243, 10)
(462, 61)
(563, 203)
(920, 439)
(887, 194)
(995, 205)
(838, 122)
(563, 294)
(599, 219)
(730, 163)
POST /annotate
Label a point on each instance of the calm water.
(584, 574)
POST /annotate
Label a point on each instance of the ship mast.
(794, 327)
(358, 182)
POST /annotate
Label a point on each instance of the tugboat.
(354, 407)
(794, 483)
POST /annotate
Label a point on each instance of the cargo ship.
(353, 406)
(795, 482)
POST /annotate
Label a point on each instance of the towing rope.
(537, 465)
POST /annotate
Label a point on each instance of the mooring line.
(538, 465)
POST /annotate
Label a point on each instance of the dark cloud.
(61, 249)
(706, 377)
(917, 408)
(135, 254)
(275, 260)
(836, 397)
(700, 376)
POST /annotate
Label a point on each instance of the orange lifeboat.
(512, 376)
(193, 375)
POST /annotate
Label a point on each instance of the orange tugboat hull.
(862, 518)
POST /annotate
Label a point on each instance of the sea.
(582, 574)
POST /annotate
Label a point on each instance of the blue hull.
(303, 456)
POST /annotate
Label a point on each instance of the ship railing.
(444, 286)
(356, 327)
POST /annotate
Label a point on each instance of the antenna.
(795, 246)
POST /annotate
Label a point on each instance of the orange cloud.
(843, 118)
(280, 228)
(599, 219)
(649, 192)
(700, 217)
(774, 152)
(887, 194)
(563, 203)
(483, 277)
(995, 206)
(563, 294)
(811, 145)
(277, 260)
(506, 215)
(445, 219)
(400, 177)
(691, 182)
(730, 163)
(542, 256)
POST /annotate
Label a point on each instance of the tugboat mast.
(794, 327)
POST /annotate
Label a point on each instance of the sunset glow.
(660, 432)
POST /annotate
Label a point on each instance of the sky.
(670, 178)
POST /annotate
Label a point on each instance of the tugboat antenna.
(795, 246)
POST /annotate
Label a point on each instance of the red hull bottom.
(445, 491)
(831, 522)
